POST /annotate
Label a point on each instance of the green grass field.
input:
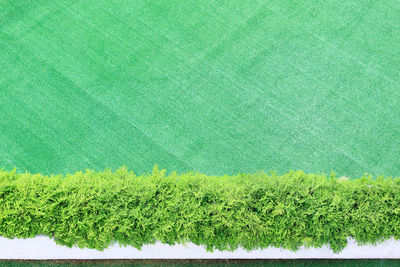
(213, 86)
(207, 263)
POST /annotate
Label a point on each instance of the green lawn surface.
(210, 263)
(213, 86)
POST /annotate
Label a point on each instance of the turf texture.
(213, 86)
(204, 263)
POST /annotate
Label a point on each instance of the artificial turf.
(209, 263)
(213, 86)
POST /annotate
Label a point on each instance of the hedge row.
(95, 209)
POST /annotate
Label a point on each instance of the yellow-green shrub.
(95, 209)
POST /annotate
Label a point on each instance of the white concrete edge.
(41, 248)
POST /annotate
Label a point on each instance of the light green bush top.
(95, 209)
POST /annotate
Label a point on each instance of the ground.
(215, 86)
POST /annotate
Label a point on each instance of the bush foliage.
(95, 209)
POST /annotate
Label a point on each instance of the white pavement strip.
(45, 248)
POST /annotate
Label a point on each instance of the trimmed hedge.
(95, 209)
